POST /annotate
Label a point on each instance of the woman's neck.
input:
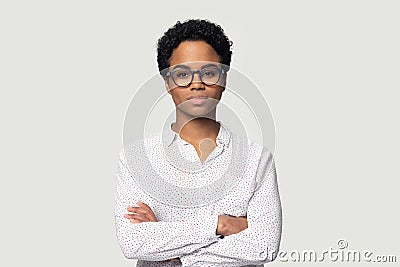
(195, 129)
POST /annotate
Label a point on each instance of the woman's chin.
(197, 110)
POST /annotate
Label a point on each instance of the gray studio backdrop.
(68, 70)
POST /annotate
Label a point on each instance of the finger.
(134, 218)
(129, 216)
(144, 205)
(135, 215)
(135, 221)
(138, 210)
(146, 218)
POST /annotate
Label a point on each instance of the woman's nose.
(197, 83)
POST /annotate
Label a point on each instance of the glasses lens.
(182, 77)
(210, 76)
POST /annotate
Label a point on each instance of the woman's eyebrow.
(209, 65)
(181, 66)
(187, 67)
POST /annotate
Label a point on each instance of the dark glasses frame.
(220, 70)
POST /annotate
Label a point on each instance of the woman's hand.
(144, 213)
(228, 225)
(140, 214)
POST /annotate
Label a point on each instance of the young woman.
(243, 226)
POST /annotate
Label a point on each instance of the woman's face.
(197, 98)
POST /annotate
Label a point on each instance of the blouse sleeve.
(259, 243)
(156, 241)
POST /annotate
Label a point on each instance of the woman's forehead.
(193, 51)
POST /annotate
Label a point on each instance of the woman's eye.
(208, 73)
(182, 74)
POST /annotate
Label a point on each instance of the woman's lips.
(198, 100)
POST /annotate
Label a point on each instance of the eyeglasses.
(182, 76)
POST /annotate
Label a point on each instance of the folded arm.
(156, 241)
(259, 243)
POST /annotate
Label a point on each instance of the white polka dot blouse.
(238, 178)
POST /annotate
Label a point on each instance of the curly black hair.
(193, 30)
